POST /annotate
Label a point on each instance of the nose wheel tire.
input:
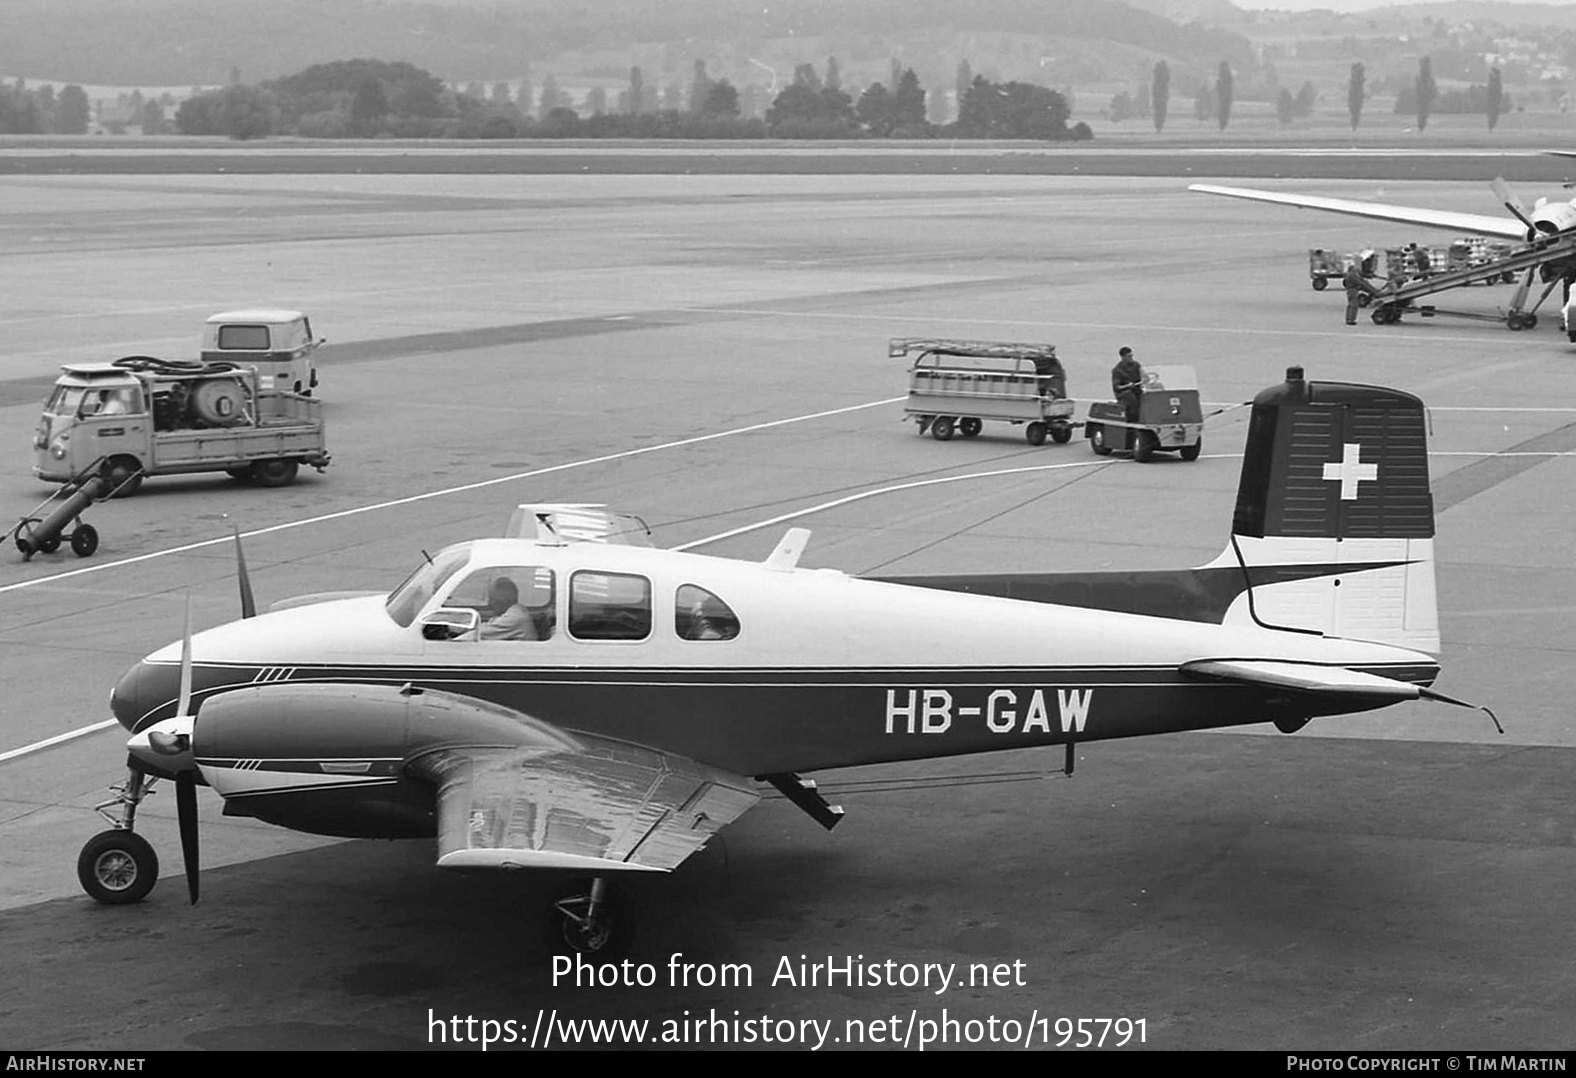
(117, 867)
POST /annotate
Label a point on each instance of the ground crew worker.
(1356, 286)
(1127, 380)
(1050, 376)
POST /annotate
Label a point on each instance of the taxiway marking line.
(69, 735)
(460, 489)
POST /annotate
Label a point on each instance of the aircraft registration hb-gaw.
(1548, 229)
(546, 702)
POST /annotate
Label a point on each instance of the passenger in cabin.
(506, 618)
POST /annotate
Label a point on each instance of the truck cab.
(278, 343)
(96, 412)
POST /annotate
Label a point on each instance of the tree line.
(377, 98)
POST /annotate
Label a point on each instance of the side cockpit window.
(516, 602)
(699, 614)
(609, 606)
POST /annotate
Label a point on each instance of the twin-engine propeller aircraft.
(1548, 230)
(557, 702)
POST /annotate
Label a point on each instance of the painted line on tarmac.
(462, 488)
(766, 312)
(48, 742)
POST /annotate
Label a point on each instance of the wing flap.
(596, 805)
(1304, 677)
(1479, 223)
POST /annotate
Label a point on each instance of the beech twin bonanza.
(553, 702)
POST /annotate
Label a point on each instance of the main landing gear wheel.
(592, 920)
(1035, 433)
(942, 428)
(117, 867)
(1097, 441)
(970, 427)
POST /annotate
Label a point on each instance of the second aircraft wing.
(1477, 223)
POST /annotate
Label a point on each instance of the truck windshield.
(406, 601)
(65, 400)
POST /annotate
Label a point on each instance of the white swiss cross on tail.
(1349, 472)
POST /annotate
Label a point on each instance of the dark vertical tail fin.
(1335, 477)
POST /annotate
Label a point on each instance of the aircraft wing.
(593, 804)
(1475, 223)
(1304, 677)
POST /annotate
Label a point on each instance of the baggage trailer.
(1325, 265)
(956, 386)
(1170, 418)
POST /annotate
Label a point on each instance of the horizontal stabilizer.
(1303, 677)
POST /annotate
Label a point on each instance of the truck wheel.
(1320, 284)
(970, 427)
(123, 476)
(1144, 451)
(1097, 440)
(1061, 433)
(942, 428)
(1191, 452)
(274, 473)
(243, 474)
(1035, 433)
(84, 540)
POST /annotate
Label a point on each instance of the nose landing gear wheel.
(117, 867)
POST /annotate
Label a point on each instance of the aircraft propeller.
(167, 745)
(1512, 203)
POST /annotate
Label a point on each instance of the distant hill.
(178, 42)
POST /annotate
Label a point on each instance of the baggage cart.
(957, 386)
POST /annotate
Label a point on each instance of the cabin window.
(609, 606)
(243, 338)
(516, 602)
(701, 615)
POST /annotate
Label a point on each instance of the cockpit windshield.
(406, 601)
(65, 400)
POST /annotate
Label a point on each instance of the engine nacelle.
(1552, 218)
(332, 759)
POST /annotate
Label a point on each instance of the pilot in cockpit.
(505, 618)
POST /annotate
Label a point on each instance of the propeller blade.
(183, 707)
(1503, 192)
(186, 815)
(242, 577)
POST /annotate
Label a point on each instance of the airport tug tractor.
(1170, 418)
(957, 386)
